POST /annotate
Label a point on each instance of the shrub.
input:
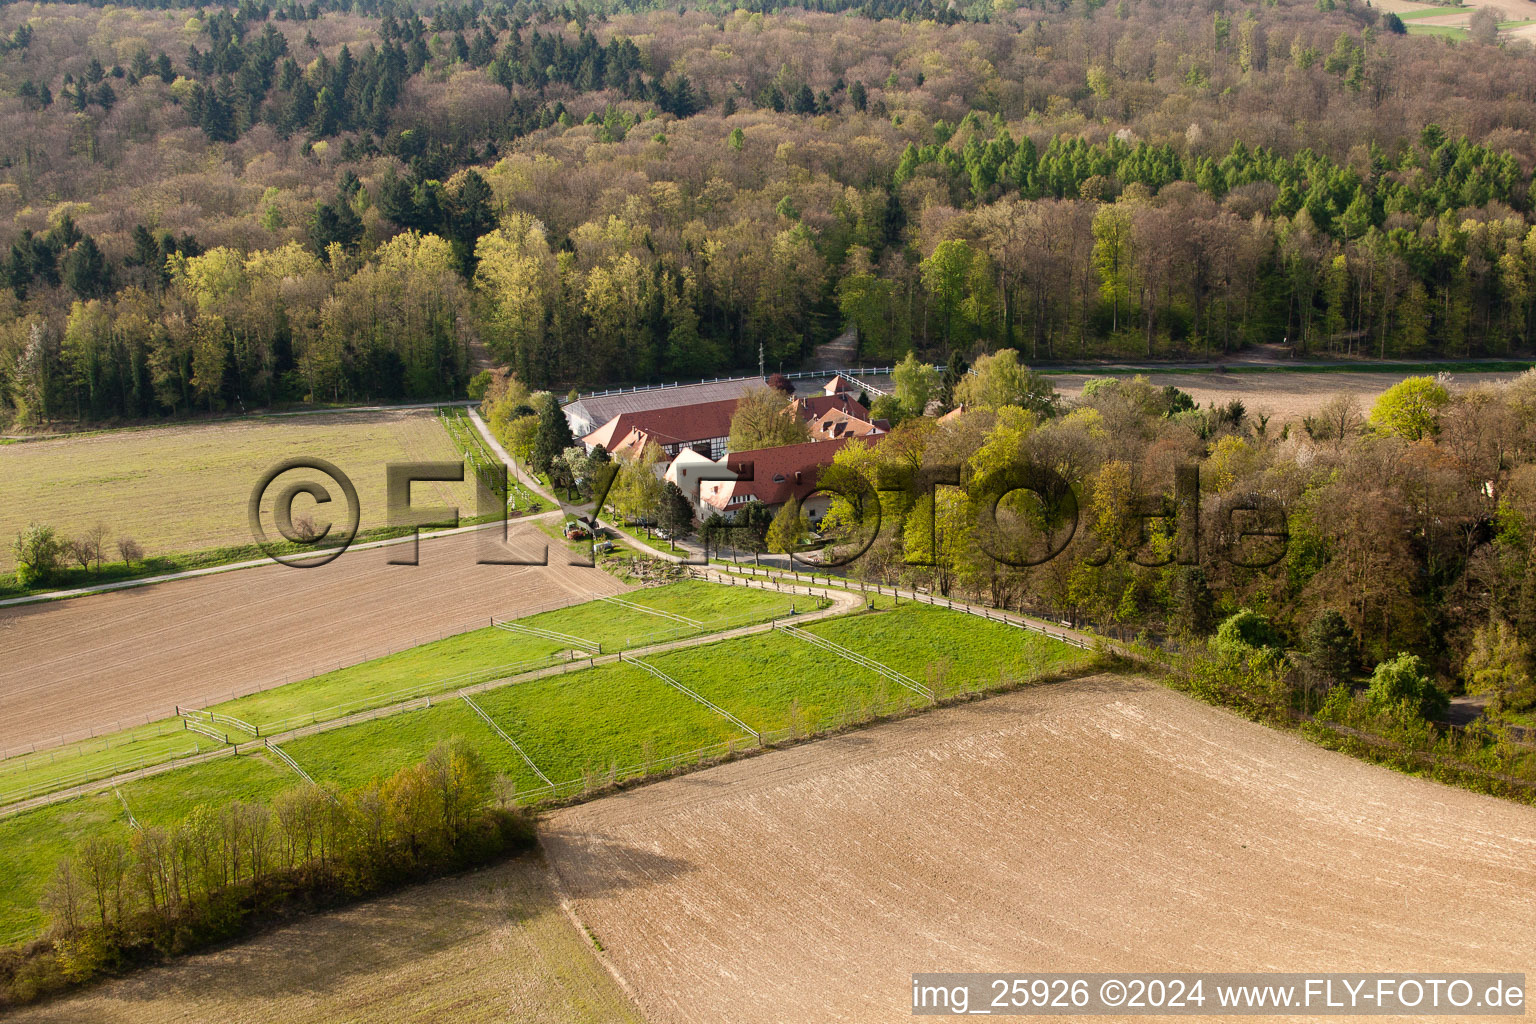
(38, 551)
(1245, 632)
(1400, 687)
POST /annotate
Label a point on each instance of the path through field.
(1098, 825)
(487, 948)
(125, 656)
(1283, 395)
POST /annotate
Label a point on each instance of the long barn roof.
(602, 408)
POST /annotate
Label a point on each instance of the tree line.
(995, 185)
(1444, 476)
(127, 898)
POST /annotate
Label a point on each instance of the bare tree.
(77, 549)
(63, 896)
(105, 864)
(129, 550)
(1483, 25)
(96, 541)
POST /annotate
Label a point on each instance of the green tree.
(749, 527)
(1499, 665)
(1330, 646)
(1112, 258)
(916, 384)
(764, 419)
(1402, 685)
(1410, 409)
(86, 270)
(675, 516)
(38, 552)
(553, 438)
(788, 527)
(637, 493)
(1246, 631)
(944, 275)
(1000, 379)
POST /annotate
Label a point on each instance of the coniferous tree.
(553, 437)
(86, 270)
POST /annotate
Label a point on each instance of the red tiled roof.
(777, 473)
(835, 424)
(680, 425)
(817, 406)
(841, 384)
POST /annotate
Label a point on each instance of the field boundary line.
(109, 781)
(217, 718)
(717, 709)
(1033, 624)
(549, 634)
(636, 606)
(291, 763)
(410, 693)
(203, 729)
(132, 821)
(884, 671)
(211, 570)
(88, 775)
(477, 709)
(418, 702)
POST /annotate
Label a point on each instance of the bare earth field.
(1284, 396)
(1098, 825)
(1512, 10)
(185, 488)
(129, 655)
(488, 948)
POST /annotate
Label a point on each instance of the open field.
(114, 660)
(465, 659)
(613, 716)
(576, 728)
(32, 843)
(770, 679)
(491, 652)
(1285, 395)
(101, 757)
(185, 488)
(1102, 824)
(947, 650)
(354, 756)
(485, 948)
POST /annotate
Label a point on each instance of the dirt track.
(124, 656)
(1098, 825)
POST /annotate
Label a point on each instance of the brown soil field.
(127, 656)
(487, 948)
(1283, 396)
(1099, 825)
(1512, 10)
(185, 488)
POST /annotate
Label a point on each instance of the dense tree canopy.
(631, 193)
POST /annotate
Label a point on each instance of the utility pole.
(760, 370)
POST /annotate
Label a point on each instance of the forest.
(217, 208)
